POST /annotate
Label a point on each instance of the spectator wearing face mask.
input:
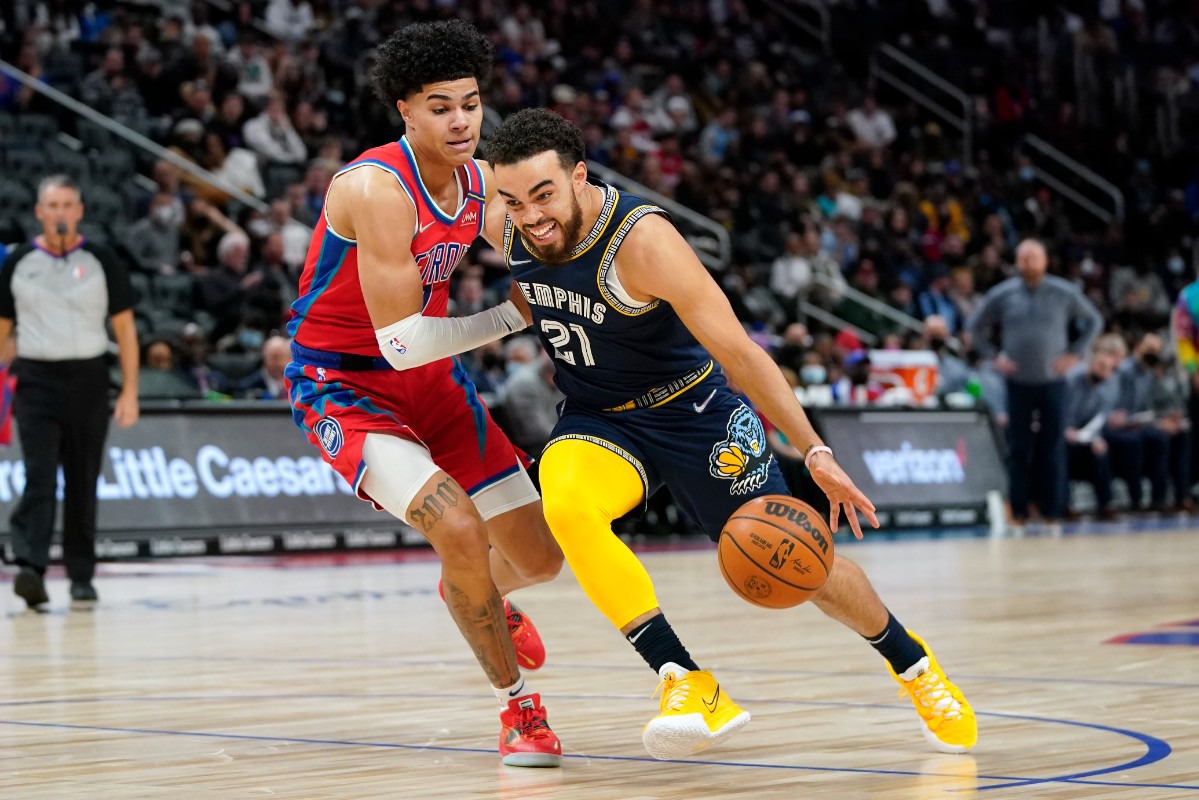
(1149, 435)
(1091, 396)
(485, 366)
(153, 241)
(813, 373)
(794, 348)
(1127, 424)
(293, 235)
(953, 374)
(1171, 433)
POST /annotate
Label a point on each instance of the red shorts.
(435, 405)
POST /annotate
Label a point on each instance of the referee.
(59, 290)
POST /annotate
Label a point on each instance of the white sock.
(671, 667)
(506, 693)
(915, 671)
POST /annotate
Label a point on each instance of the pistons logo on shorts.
(328, 433)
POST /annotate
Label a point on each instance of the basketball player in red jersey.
(374, 381)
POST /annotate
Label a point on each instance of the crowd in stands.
(723, 106)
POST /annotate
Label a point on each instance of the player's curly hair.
(535, 130)
(429, 52)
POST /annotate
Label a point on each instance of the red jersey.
(330, 313)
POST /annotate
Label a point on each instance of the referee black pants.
(61, 411)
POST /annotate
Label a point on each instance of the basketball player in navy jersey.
(634, 323)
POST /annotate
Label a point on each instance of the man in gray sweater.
(1045, 326)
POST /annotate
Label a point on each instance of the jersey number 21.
(559, 336)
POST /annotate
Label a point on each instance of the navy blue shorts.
(706, 446)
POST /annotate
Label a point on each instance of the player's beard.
(560, 252)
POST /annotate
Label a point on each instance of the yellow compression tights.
(584, 487)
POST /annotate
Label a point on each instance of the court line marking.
(716, 666)
(1156, 749)
(575, 756)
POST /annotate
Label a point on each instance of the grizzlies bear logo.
(742, 457)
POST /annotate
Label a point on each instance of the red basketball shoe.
(530, 651)
(525, 736)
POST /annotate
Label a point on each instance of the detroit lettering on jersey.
(330, 313)
(539, 294)
(439, 262)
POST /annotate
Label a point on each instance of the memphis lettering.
(907, 465)
(539, 294)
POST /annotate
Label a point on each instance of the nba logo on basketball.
(781, 554)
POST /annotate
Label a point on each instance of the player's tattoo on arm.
(436, 503)
(485, 628)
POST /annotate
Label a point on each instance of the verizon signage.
(242, 481)
(921, 468)
(910, 465)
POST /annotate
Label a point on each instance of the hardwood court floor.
(312, 679)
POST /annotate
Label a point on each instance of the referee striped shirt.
(61, 303)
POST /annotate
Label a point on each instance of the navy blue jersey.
(707, 447)
(611, 352)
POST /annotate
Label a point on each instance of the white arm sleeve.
(418, 340)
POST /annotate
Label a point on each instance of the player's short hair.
(535, 130)
(429, 52)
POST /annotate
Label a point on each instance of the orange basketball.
(775, 551)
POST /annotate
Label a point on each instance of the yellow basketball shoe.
(949, 723)
(696, 714)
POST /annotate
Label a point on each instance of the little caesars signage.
(148, 473)
(210, 471)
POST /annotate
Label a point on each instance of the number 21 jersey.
(609, 349)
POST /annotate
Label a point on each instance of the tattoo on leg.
(485, 629)
(436, 503)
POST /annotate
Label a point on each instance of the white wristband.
(418, 340)
(820, 448)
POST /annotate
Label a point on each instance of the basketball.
(775, 551)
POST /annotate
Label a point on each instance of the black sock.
(897, 646)
(658, 644)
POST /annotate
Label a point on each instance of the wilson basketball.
(775, 551)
